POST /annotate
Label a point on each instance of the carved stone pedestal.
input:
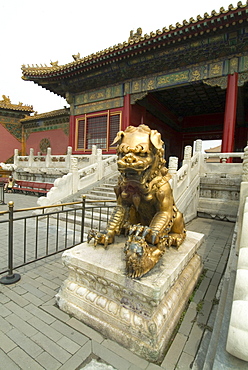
(138, 314)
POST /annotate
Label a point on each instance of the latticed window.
(96, 132)
(81, 124)
(114, 127)
(97, 129)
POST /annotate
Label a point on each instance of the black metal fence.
(2, 192)
(31, 234)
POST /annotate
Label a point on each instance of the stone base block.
(140, 315)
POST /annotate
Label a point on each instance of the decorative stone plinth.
(138, 314)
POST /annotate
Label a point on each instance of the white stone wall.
(237, 340)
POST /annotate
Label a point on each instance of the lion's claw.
(104, 238)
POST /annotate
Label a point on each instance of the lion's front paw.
(175, 239)
(152, 236)
(106, 237)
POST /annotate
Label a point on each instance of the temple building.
(188, 81)
(22, 131)
(47, 130)
(11, 132)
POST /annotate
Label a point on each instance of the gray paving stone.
(174, 352)
(76, 360)
(23, 360)
(185, 362)
(135, 367)
(52, 348)
(56, 312)
(204, 284)
(7, 363)
(68, 345)
(47, 282)
(15, 297)
(33, 299)
(86, 330)
(19, 311)
(153, 367)
(74, 335)
(216, 279)
(4, 311)
(193, 341)
(47, 290)
(211, 292)
(21, 325)
(48, 362)
(3, 297)
(110, 357)
(5, 325)
(25, 343)
(124, 353)
(19, 290)
(203, 315)
(6, 344)
(40, 313)
(42, 327)
(188, 319)
(34, 290)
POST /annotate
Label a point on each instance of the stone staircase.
(219, 197)
(101, 192)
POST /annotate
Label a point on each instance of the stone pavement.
(35, 334)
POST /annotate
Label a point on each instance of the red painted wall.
(7, 144)
(58, 139)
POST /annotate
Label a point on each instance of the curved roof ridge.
(53, 113)
(6, 104)
(55, 67)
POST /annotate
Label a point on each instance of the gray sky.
(38, 32)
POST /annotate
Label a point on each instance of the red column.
(126, 112)
(72, 132)
(230, 114)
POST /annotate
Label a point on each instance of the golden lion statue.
(145, 207)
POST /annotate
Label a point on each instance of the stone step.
(102, 194)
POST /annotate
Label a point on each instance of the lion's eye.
(143, 154)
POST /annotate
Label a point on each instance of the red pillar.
(126, 112)
(72, 133)
(230, 114)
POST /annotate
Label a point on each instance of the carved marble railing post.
(198, 145)
(75, 176)
(16, 160)
(173, 165)
(186, 160)
(172, 169)
(68, 157)
(31, 158)
(48, 158)
(99, 164)
(198, 151)
(187, 154)
(245, 165)
(93, 156)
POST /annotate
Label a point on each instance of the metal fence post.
(83, 216)
(2, 193)
(11, 278)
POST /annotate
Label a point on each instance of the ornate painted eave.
(54, 113)
(7, 105)
(138, 45)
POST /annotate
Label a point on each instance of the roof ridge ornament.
(54, 64)
(76, 56)
(135, 36)
(6, 104)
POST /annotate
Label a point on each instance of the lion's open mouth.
(134, 175)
